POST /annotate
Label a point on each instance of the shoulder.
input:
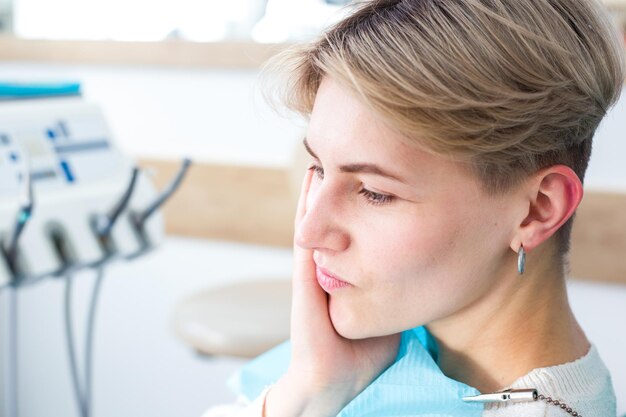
(584, 385)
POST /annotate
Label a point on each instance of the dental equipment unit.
(59, 172)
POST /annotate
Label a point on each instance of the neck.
(524, 323)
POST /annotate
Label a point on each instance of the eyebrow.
(365, 168)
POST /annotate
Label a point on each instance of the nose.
(323, 225)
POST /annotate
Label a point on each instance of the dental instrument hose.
(82, 393)
(69, 342)
(91, 318)
(103, 226)
(104, 223)
(140, 218)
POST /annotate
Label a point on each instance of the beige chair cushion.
(242, 319)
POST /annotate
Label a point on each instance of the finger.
(304, 268)
(310, 323)
(302, 256)
(304, 191)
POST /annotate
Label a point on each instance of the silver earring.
(521, 260)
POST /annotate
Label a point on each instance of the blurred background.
(176, 79)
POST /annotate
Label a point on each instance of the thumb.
(309, 313)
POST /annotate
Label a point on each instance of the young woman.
(448, 143)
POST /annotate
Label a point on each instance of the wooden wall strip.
(245, 204)
(166, 53)
(599, 238)
(257, 205)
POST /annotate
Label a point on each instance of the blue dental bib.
(412, 386)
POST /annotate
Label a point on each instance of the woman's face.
(415, 248)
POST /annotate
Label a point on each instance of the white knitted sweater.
(584, 385)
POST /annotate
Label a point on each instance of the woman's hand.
(326, 369)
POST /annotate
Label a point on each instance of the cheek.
(415, 241)
(416, 267)
(422, 269)
(403, 263)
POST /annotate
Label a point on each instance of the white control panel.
(77, 173)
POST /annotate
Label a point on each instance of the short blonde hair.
(510, 86)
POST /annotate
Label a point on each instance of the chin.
(347, 323)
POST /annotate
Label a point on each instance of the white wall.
(607, 169)
(210, 115)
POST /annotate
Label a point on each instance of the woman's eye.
(370, 196)
(376, 198)
(319, 171)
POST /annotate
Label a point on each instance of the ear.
(553, 195)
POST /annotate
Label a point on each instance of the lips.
(328, 281)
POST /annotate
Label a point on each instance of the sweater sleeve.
(241, 408)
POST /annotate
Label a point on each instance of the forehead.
(340, 120)
(344, 130)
